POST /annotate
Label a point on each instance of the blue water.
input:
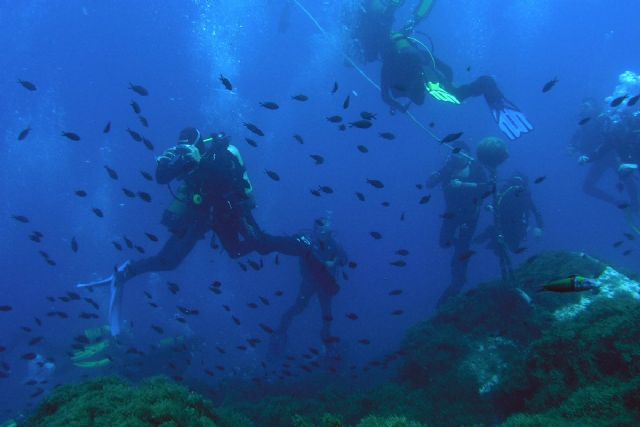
(82, 56)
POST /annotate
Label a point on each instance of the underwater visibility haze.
(319, 213)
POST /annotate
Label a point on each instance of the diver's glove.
(440, 93)
(583, 159)
(537, 232)
(509, 118)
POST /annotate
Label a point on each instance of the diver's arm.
(421, 11)
(385, 91)
(176, 162)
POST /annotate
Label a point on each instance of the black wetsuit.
(328, 251)
(406, 68)
(225, 207)
(512, 211)
(464, 184)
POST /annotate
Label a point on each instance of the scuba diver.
(409, 70)
(329, 252)
(216, 195)
(512, 208)
(375, 23)
(465, 185)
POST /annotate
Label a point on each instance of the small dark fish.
(623, 205)
(346, 102)
(98, 212)
(360, 196)
(375, 183)
(173, 287)
(627, 252)
(128, 242)
(364, 341)
(158, 329)
(273, 175)
(451, 137)
(298, 138)
(38, 321)
(467, 255)
(253, 128)
(468, 68)
(335, 88)
(300, 97)
(629, 236)
(144, 196)
(253, 264)
(146, 175)
(226, 308)
(425, 199)
(251, 142)
(317, 158)
(72, 136)
(27, 85)
(397, 312)
(549, 85)
(632, 101)
(188, 311)
(112, 173)
(361, 148)
(81, 193)
(148, 144)
(136, 107)
(243, 267)
(74, 245)
(315, 192)
(520, 250)
(539, 179)
(342, 127)
(278, 293)
(395, 292)
(375, 235)
(252, 305)
(226, 83)
(432, 125)
(387, 135)
(618, 243)
(618, 100)
(22, 135)
(143, 121)
(138, 89)
(326, 189)
(266, 328)
(140, 249)
(353, 265)
(263, 300)
(235, 320)
(151, 237)
(402, 252)
(335, 119)
(352, 316)
(399, 263)
(51, 262)
(20, 218)
(584, 121)
(5, 308)
(28, 356)
(130, 194)
(107, 127)
(448, 215)
(153, 304)
(270, 105)
(135, 135)
(368, 116)
(456, 150)
(117, 245)
(361, 124)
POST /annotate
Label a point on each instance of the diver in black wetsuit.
(465, 185)
(329, 252)
(216, 194)
(512, 210)
(409, 70)
(608, 142)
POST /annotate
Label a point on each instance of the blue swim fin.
(511, 121)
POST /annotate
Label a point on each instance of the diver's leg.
(278, 342)
(594, 175)
(325, 300)
(483, 86)
(460, 260)
(447, 232)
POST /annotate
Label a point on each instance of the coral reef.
(113, 402)
(493, 354)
